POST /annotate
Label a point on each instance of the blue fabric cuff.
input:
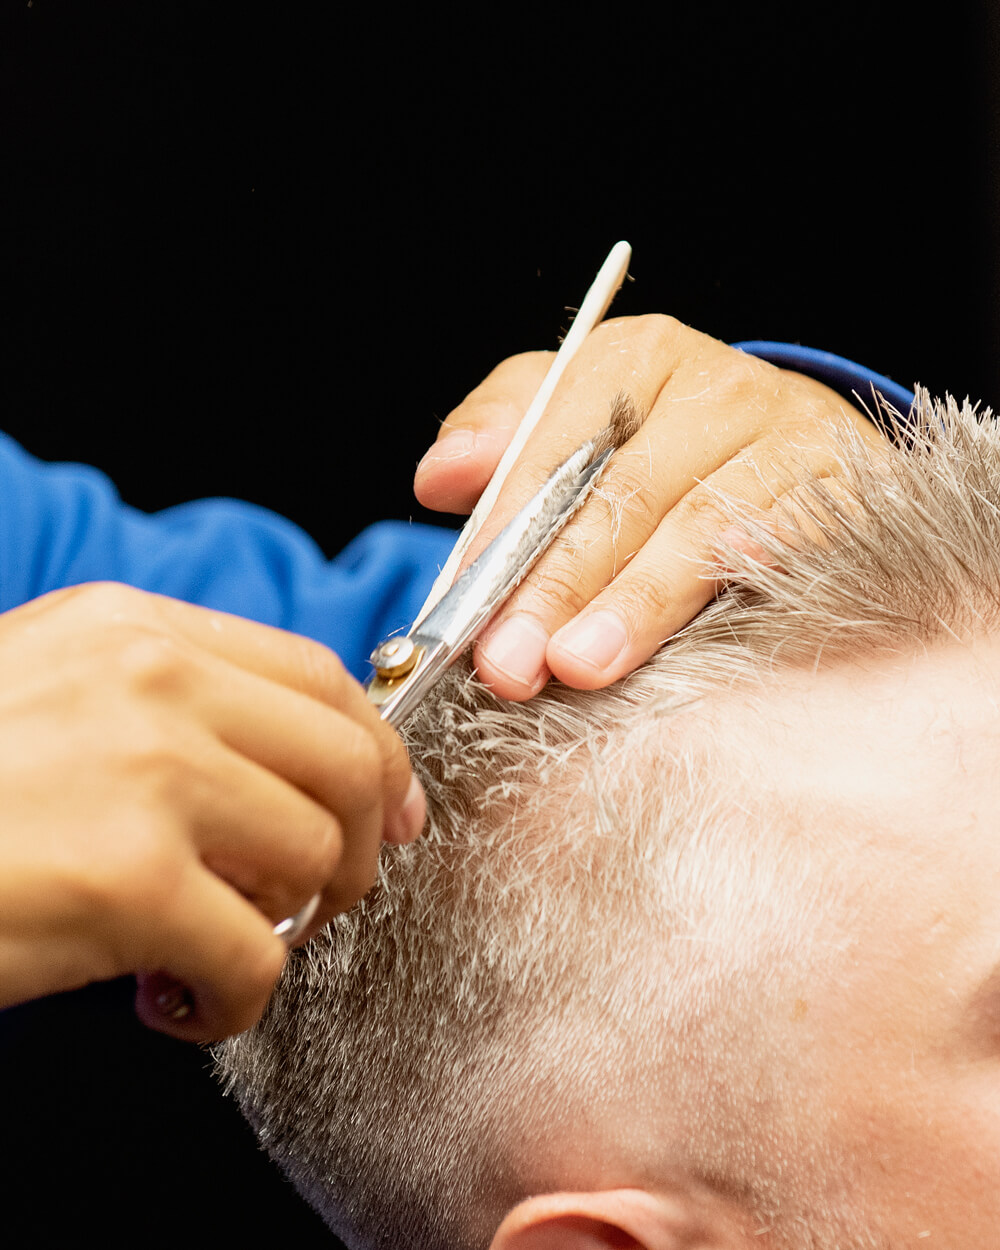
(840, 374)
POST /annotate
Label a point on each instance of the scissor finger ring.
(292, 928)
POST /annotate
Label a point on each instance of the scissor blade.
(493, 575)
(477, 594)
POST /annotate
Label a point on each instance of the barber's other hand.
(173, 782)
(629, 570)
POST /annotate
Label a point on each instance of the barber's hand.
(629, 570)
(173, 782)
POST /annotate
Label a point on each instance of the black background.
(262, 250)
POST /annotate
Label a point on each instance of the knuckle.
(631, 489)
(160, 766)
(358, 746)
(109, 601)
(812, 414)
(661, 328)
(650, 600)
(324, 674)
(653, 331)
(743, 380)
(323, 849)
(817, 428)
(557, 592)
(521, 364)
(701, 513)
(151, 662)
(363, 763)
(393, 763)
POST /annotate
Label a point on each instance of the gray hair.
(600, 897)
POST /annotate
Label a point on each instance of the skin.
(213, 775)
(890, 1042)
(907, 1019)
(627, 571)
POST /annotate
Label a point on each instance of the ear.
(623, 1219)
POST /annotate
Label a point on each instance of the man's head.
(709, 959)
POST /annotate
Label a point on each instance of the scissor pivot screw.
(394, 658)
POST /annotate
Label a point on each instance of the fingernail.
(454, 446)
(517, 649)
(407, 824)
(737, 539)
(597, 640)
(175, 1002)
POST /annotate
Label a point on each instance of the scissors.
(408, 666)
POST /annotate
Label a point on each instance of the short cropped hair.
(599, 912)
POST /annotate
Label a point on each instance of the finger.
(635, 357)
(334, 759)
(654, 472)
(291, 667)
(326, 737)
(221, 949)
(265, 837)
(668, 582)
(704, 401)
(455, 470)
(627, 506)
(807, 515)
(289, 659)
(346, 759)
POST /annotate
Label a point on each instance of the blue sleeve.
(63, 524)
(839, 374)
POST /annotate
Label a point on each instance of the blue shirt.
(64, 524)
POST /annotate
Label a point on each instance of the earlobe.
(618, 1219)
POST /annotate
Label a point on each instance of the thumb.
(456, 469)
